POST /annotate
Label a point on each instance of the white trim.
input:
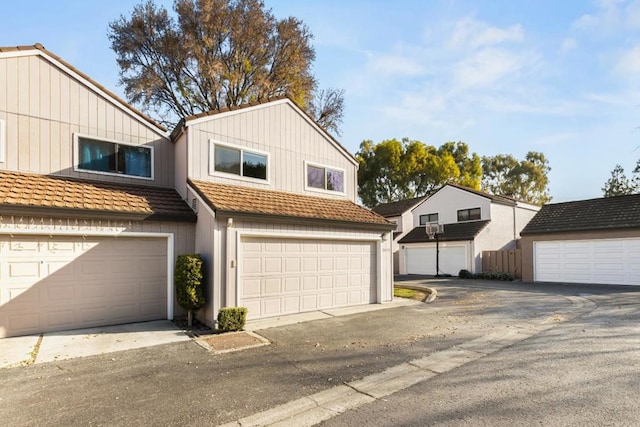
(214, 172)
(325, 167)
(120, 104)
(3, 141)
(323, 132)
(76, 153)
(115, 233)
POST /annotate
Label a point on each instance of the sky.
(504, 76)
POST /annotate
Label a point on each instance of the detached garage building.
(587, 241)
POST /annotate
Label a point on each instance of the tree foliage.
(526, 179)
(619, 184)
(393, 170)
(214, 54)
(188, 283)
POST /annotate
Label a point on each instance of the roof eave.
(56, 212)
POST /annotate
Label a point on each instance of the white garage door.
(59, 283)
(422, 260)
(607, 261)
(284, 276)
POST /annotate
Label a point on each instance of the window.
(428, 218)
(324, 178)
(468, 214)
(113, 158)
(3, 145)
(237, 161)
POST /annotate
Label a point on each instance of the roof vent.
(194, 205)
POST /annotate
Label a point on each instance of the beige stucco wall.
(527, 241)
(43, 106)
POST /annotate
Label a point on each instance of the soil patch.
(233, 341)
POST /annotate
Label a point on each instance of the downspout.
(230, 265)
(514, 224)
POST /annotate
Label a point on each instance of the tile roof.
(24, 191)
(397, 208)
(452, 232)
(607, 213)
(232, 199)
(41, 48)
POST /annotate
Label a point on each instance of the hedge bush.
(188, 283)
(232, 319)
(466, 274)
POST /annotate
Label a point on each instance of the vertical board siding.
(43, 107)
(280, 131)
(503, 262)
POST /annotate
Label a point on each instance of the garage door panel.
(50, 283)
(422, 260)
(612, 261)
(316, 274)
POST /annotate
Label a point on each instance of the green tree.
(214, 54)
(188, 284)
(619, 184)
(526, 179)
(393, 170)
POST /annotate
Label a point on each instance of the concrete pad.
(446, 360)
(341, 399)
(279, 413)
(17, 351)
(92, 341)
(495, 341)
(391, 380)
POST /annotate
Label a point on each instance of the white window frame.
(321, 190)
(212, 162)
(76, 151)
(3, 141)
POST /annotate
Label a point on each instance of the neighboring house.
(97, 200)
(278, 225)
(473, 221)
(90, 222)
(586, 241)
(400, 214)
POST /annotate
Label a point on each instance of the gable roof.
(608, 213)
(504, 200)
(197, 118)
(397, 208)
(39, 50)
(233, 200)
(452, 232)
(25, 194)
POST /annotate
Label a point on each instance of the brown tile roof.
(452, 232)
(24, 191)
(608, 213)
(42, 49)
(397, 208)
(232, 199)
(176, 131)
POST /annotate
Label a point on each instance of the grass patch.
(409, 293)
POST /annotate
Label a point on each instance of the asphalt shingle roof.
(452, 232)
(23, 190)
(397, 208)
(254, 201)
(607, 213)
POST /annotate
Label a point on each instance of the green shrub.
(188, 283)
(232, 319)
(465, 274)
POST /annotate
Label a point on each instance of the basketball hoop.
(435, 230)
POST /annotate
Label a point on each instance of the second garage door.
(422, 260)
(50, 283)
(285, 276)
(607, 261)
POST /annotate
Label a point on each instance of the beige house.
(97, 200)
(584, 241)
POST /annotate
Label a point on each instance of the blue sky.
(560, 77)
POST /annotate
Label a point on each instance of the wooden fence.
(503, 262)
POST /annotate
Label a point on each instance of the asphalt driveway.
(182, 383)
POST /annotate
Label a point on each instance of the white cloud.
(628, 64)
(396, 64)
(489, 66)
(568, 44)
(469, 33)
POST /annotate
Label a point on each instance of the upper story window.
(468, 214)
(229, 159)
(324, 178)
(428, 218)
(3, 143)
(109, 157)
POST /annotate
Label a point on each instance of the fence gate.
(503, 262)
